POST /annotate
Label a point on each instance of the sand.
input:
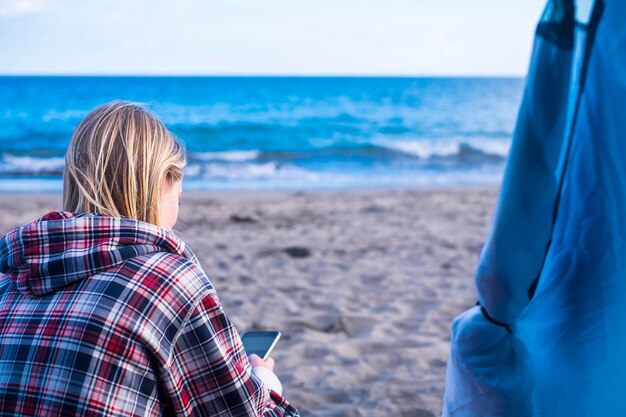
(363, 284)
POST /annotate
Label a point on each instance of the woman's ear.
(169, 201)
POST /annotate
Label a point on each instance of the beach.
(363, 284)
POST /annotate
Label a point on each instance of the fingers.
(256, 361)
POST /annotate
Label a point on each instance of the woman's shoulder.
(167, 275)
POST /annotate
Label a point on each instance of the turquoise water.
(278, 132)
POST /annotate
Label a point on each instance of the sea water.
(278, 132)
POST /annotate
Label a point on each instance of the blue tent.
(548, 335)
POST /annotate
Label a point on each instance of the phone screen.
(260, 343)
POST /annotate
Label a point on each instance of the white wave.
(425, 148)
(246, 171)
(498, 147)
(30, 164)
(228, 156)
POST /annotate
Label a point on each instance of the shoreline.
(363, 283)
(295, 190)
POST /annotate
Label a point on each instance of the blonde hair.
(116, 160)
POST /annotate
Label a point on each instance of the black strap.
(491, 319)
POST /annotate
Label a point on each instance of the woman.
(103, 310)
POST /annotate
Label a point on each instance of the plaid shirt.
(103, 316)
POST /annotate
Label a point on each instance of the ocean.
(278, 132)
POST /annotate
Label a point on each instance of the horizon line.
(217, 75)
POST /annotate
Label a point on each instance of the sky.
(268, 37)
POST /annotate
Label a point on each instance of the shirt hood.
(61, 248)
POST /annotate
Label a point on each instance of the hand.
(257, 361)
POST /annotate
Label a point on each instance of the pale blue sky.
(267, 37)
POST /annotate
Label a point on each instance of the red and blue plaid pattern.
(103, 316)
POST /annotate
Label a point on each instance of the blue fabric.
(560, 224)
(508, 265)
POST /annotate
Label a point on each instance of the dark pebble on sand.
(244, 218)
(298, 252)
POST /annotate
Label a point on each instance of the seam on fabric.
(170, 356)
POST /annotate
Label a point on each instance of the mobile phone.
(260, 343)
